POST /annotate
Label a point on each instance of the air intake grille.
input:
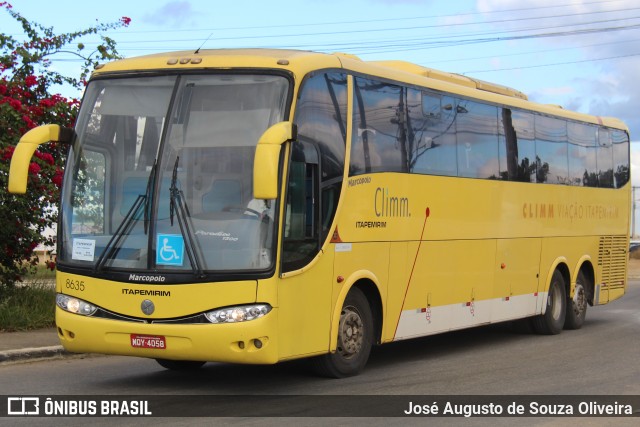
(612, 260)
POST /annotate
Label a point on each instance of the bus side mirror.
(21, 159)
(265, 164)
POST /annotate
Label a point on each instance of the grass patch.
(28, 306)
(42, 273)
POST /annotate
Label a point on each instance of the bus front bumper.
(252, 342)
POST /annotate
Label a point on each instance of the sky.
(581, 54)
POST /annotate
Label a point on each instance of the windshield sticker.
(170, 249)
(223, 235)
(83, 249)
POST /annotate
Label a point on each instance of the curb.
(26, 354)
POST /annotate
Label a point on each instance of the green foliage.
(27, 307)
(26, 101)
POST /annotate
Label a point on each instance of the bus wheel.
(355, 338)
(577, 306)
(552, 321)
(180, 365)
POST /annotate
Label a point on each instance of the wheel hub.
(350, 333)
(554, 302)
(579, 299)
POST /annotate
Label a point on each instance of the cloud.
(608, 85)
(556, 91)
(178, 13)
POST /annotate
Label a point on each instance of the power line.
(396, 29)
(549, 65)
(444, 42)
(382, 46)
(411, 44)
(370, 21)
(531, 52)
(420, 43)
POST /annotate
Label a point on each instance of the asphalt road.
(599, 359)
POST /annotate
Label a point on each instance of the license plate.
(148, 341)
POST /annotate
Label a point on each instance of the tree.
(26, 101)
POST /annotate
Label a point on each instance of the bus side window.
(477, 139)
(551, 150)
(582, 154)
(620, 157)
(321, 118)
(431, 134)
(301, 228)
(378, 141)
(519, 127)
(605, 159)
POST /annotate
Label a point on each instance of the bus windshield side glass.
(161, 174)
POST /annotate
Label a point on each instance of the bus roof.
(299, 63)
(290, 60)
(452, 78)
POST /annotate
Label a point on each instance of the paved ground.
(38, 338)
(44, 343)
(32, 345)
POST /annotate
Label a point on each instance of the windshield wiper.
(123, 230)
(181, 211)
(147, 194)
(141, 203)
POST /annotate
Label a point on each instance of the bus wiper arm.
(141, 203)
(178, 208)
(123, 229)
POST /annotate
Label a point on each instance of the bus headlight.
(242, 313)
(75, 305)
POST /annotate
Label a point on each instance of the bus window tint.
(525, 148)
(507, 148)
(421, 112)
(582, 154)
(477, 137)
(605, 159)
(377, 144)
(398, 129)
(321, 119)
(433, 127)
(620, 157)
(551, 150)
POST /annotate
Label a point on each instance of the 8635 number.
(77, 285)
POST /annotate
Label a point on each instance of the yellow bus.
(256, 206)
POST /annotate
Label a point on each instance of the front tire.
(552, 321)
(355, 339)
(577, 306)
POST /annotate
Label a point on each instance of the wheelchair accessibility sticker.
(170, 249)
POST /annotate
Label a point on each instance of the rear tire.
(180, 365)
(577, 306)
(552, 321)
(355, 339)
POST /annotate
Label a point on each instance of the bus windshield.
(160, 174)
